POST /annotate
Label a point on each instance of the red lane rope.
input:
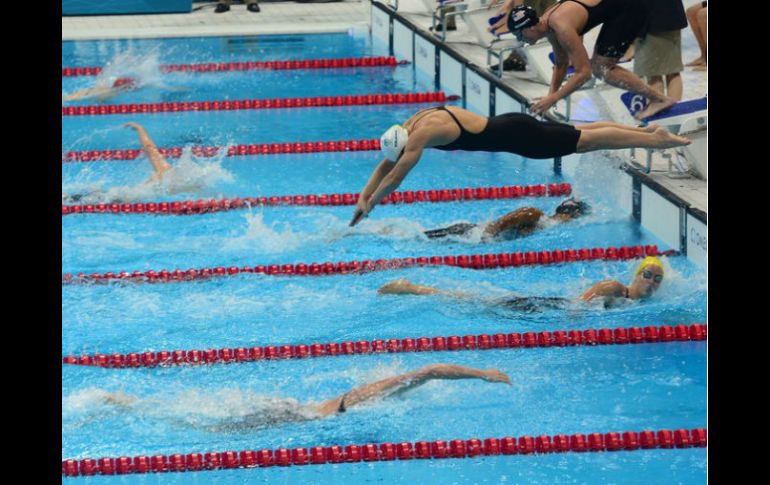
(371, 452)
(232, 150)
(187, 207)
(345, 62)
(557, 338)
(227, 105)
(473, 261)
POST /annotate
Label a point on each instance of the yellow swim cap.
(649, 260)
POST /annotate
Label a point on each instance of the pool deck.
(291, 17)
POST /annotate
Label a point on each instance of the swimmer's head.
(124, 82)
(520, 18)
(393, 141)
(649, 276)
(573, 208)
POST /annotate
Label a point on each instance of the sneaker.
(221, 7)
(511, 65)
(253, 7)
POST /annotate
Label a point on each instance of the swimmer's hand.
(540, 105)
(494, 375)
(358, 214)
(133, 125)
(362, 210)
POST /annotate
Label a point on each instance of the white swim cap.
(393, 141)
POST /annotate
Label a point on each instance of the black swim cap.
(573, 208)
(522, 17)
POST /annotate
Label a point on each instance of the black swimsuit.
(517, 133)
(623, 20)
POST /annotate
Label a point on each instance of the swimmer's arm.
(397, 174)
(159, 163)
(383, 169)
(568, 47)
(99, 92)
(608, 288)
(410, 380)
(526, 217)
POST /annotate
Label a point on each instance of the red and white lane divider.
(232, 150)
(335, 63)
(472, 261)
(227, 105)
(557, 338)
(457, 448)
(188, 207)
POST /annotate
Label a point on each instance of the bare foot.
(654, 107)
(697, 62)
(650, 128)
(666, 139)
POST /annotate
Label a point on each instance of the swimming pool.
(558, 390)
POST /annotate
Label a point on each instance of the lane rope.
(471, 261)
(663, 439)
(557, 338)
(242, 104)
(331, 63)
(189, 207)
(232, 150)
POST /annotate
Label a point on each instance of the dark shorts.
(619, 33)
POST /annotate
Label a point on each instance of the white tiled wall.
(451, 75)
(403, 41)
(697, 241)
(425, 56)
(477, 92)
(661, 217)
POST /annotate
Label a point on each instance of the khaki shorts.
(659, 54)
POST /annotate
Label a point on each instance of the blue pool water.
(556, 390)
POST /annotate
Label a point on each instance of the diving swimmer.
(450, 128)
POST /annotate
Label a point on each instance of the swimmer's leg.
(459, 229)
(611, 138)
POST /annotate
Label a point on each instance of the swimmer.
(160, 167)
(114, 87)
(103, 92)
(648, 277)
(564, 24)
(450, 128)
(281, 411)
(521, 222)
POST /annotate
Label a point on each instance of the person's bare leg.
(703, 24)
(410, 380)
(650, 128)
(674, 86)
(656, 83)
(159, 163)
(606, 68)
(614, 138)
(698, 31)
